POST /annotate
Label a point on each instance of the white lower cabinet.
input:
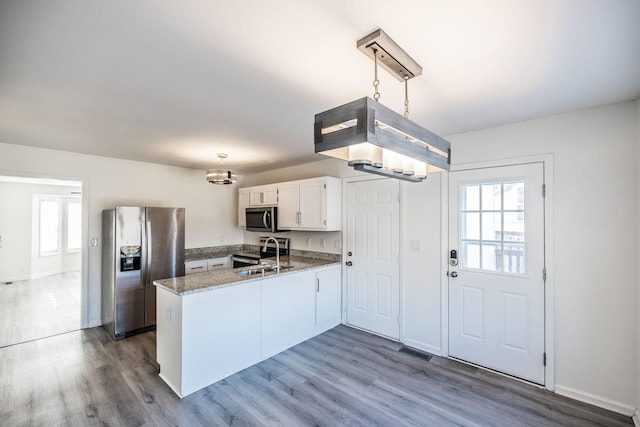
(288, 306)
(328, 298)
(206, 336)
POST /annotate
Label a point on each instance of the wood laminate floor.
(343, 377)
(38, 308)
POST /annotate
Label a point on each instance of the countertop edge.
(217, 279)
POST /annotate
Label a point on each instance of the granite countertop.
(200, 282)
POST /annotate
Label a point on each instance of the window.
(74, 225)
(49, 227)
(492, 226)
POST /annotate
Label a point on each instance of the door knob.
(349, 263)
(454, 274)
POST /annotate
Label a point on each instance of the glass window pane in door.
(470, 226)
(491, 226)
(492, 196)
(514, 195)
(513, 226)
(470, 197)
(471, 254)
(491, 254)
(513, 258)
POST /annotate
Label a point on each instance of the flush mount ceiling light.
(221, 175)
(371, 137)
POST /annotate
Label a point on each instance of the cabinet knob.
(349, 263)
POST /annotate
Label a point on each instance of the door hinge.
(544, 274)
(544, 359)
(544, 190)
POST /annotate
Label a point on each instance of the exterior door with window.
(372, 245)
(496, 284)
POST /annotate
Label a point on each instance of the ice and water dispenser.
(129, 258)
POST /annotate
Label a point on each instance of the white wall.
(595, 188)
(211, 211)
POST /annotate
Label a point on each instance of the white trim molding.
(599, 401)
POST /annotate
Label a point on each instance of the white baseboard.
(51, 273)
(636, 419)
(596, 400)
(38, 275)
(422, 346)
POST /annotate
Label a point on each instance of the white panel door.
(496, 285)
(372, 243)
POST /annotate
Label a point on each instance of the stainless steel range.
(248, 258)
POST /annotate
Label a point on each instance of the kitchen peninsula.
(213, 324)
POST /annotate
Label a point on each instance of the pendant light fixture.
(221, 175)
(373, 138)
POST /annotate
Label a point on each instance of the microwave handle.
(265, 216)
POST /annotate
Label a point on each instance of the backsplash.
(211, 251)
(219, 251)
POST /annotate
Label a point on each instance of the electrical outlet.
(307, 242)
(322, 242)
(337, 244)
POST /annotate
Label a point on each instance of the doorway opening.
(40, 258)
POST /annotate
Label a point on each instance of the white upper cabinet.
(243, 203)
(313, 204)
(288, 205)
(310, 204)
(264, 195)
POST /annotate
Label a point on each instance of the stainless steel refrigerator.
(139, 245)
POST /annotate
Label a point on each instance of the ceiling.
(175, 82)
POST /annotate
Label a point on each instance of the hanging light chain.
(376, 82)
(406, 96)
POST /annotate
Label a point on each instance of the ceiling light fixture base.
(390, 56)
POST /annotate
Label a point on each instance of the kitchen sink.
(260, 269)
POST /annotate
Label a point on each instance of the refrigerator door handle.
(149, 254)
(145, 256)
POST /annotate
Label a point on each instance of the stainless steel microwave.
(262, 219)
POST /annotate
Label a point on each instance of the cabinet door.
(288, 206)
(243, 203)
(271, 196)
(328, 298)
(288, 307)
(263, 195)
(312, 204)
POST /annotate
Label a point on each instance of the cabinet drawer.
(218, 263)
(191, 267)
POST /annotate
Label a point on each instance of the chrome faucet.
(264, 249)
